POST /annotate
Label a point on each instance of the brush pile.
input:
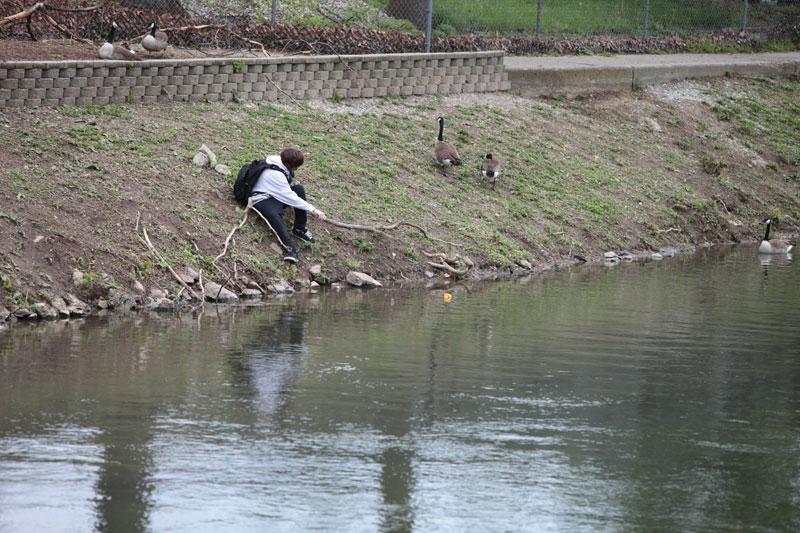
(86, 21)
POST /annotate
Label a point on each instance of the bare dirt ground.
(65, 50)
(682, 165)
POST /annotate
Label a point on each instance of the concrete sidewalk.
(588, 74)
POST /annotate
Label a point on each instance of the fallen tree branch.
(725, 207)
(160, 258)
(65, 31)
(24, 14)
(249, 41)
(376, 229)
(332, 49)
(244, 219)
(73, 9)
(333, 17)
(223, 285)
(230, 235)
(443, 257)
(447, 268)
(40, 6)
(438, 255)
(289, 96)
(186, 28)
(445, 242)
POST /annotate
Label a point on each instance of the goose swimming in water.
(774, 246)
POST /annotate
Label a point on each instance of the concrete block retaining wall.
(49, 83)
(570, 75)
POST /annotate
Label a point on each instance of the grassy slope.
(580, 177)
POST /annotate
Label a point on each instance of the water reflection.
(116, 381)
(124, 479)
(658, 396)
(775, 260)
(266, 370)
(397, 486)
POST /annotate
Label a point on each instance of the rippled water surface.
(661, 396)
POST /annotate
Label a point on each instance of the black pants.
(272, 210)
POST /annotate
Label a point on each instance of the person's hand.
(319, 214)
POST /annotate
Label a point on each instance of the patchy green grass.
(579, 176)
(770, 111)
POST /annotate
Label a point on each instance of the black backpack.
(248, 176)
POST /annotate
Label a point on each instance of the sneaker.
(292, 256)
(303, 235)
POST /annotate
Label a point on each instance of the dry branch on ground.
(361, 227)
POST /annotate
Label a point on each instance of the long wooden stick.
(376, 229)
(155, 252)
(65, 31)
(73, 9)
(230, 235)
(223, 286)
(263, 50)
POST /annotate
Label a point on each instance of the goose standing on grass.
(111, 50)
(774, 246)
(446, 153)
(155, 41)
(491, 169)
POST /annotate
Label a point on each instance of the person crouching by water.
(274, 192)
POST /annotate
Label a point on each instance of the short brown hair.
(292, 158)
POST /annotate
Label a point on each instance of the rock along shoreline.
(117, 302)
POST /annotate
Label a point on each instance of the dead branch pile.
(90, 21)
(82, 21)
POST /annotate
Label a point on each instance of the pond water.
(660, 396)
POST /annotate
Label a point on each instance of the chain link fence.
(370, 26)
(563, 18)
(537, 18)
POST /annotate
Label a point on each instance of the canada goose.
(110, 50)
(491, 169)
(446, 153)
(155, 41)
(774, 246)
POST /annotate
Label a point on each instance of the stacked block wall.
(49, 83)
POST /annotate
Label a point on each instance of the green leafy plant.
(712, 165)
